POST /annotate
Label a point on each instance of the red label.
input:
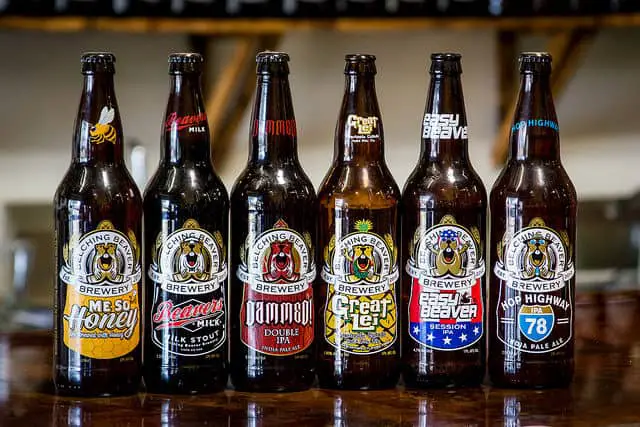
(184, 122)
(277, 312)
(275, 127)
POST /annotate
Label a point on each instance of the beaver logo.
(537, 258)
(449, 250)
(280, 264)
(362, 263)
(191, 260)
(105, 262)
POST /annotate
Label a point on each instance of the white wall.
(40, 85)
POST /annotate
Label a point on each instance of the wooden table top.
(606, 391)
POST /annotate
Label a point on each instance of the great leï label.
(362, 129)
(189, 269)
(534, 309)
(361, 271)
(102, 308)
(277, 271)
(447, 267)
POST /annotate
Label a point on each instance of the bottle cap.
(269, 62)
(98, 62)
(185, 63)
(445, 63)
(532, 62)
(360, 63)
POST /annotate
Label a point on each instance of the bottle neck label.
(102, 308)
(361, 272)
(446, 267)
(189, 268)
(274, 128)
(277, 270)
(193, 123)
(443, 126)
(525, 124)
(534, 309)
(102, 130)
(363, 129)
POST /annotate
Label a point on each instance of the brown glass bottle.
(358, 293)
(533, 232)
(186, 218)
(443, 244)
(98, 230)
(273, 244)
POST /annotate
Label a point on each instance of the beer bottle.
(98, 213)
(533, 232)
(186, 217)
(273, 241)
(357, 298)
(443, 244)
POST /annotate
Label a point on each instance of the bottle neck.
(444, 126)
(273, 124)
(98, 129)
(359, 134)
(185, 129)
(534, 134)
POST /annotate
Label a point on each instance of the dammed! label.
(534, 309)
(102, 312)
(447, 267)
(277, 270)
(361, 273)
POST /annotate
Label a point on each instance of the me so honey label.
(277, 270)
(102, 271)
(446, 266)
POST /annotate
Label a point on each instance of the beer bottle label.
(535, 311)
(189, 268)
(277, 269)
(361, 270)
(363, 129)
(102, 308)
(446, 266)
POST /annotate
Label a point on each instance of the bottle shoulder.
(187, 184)
(544, 183)
(104, 184)
(360, 185)
(277, 182)
(457, 185)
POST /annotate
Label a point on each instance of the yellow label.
(102, 308)
(361, 272)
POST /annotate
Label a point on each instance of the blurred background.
(595, 45)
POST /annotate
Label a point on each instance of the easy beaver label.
(447, 268)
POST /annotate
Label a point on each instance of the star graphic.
(463, 337)
(430, 337)
(476, 330)
(416, 330)
(447, 340)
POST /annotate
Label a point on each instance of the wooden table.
(606, 391)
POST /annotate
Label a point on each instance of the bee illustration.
(103, 131)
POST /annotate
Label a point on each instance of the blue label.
(536, 322)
